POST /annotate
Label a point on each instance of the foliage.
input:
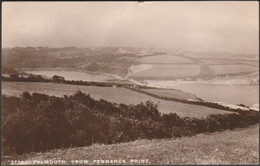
(38, 122)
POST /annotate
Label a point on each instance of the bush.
(38, 122)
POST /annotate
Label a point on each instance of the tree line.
(38, 122)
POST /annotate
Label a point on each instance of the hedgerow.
(38, 122)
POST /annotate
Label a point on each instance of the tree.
(58, 78)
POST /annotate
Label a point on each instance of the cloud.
(223, 26)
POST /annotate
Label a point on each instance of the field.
(163, 59)
(138, 68)
(116, 95)
(220, 55)
(230, 69)
(234, 94)
(251, 63)
(172, 93)
(213, 61)
(218, 61)
(240, 146)
(167, 71)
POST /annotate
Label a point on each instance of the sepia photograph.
(130, 83)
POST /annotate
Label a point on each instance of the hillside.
(115, 95)
(238, 146)
(132, 63)
(102, 59)
(38, 123)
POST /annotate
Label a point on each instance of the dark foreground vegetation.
(37, 122)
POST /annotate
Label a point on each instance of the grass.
(240, 146)
(172, 93)
(251, 63)
(228, 69)
(233, 94)
(167, 71)
(219, 61)
(116, 95)
(230, 62)
(164, 59)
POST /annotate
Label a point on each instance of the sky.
(221, 26)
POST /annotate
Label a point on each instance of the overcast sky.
(221, 26)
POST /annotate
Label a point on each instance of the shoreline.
(234, 80)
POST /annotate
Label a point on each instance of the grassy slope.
(172, 93)
(116, 95)
(229, 147)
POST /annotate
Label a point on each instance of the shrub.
(38, 122)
